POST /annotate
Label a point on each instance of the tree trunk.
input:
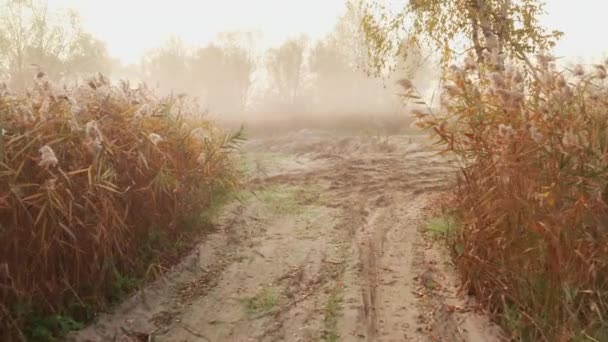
(493, 30)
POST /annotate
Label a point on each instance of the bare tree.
(223, 75)
(219, 74)
(167, 66)
(31, 34)
(338, 63)
(285, 66)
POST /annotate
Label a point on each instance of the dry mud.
(326, 243)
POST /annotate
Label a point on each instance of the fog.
(243, 61)
(301, 80)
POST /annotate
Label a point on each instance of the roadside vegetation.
(531, 137)
(102, 187)
(532, 194)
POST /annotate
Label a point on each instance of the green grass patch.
(447, 227)
(263, 302)
(332, 311)
(285, 200)
(245, 164)
(48, 327)
(251, 163)
(442, 225)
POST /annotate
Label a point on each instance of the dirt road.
(327, 243)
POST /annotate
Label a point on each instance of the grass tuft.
(443, 225)
(263, 302)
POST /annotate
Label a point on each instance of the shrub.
(532, 194)
(97, 183)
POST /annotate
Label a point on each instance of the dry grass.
(97, 185)
(532, 194)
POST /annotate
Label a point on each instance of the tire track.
(337, 216)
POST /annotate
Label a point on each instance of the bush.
(532, 193)
(97, 184)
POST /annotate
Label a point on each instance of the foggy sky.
(132, 27)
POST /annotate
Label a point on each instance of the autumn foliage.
(532, 194)
(99, 184)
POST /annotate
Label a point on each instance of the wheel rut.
(324, 244)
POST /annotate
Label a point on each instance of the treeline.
(229, 76)
(33, 37)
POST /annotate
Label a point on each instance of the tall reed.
(532, 194)
(87, 175)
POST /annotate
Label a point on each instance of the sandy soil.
(327, 243)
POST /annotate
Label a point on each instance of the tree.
(223, 76)
(338, 64)
(349, 37)
(87, 55)
(342, 79)
(219, 73)
(32, 35)
(168, 66)
(494, 27)
(240, 62)
(285, 66)
(207, 67)
(335, 81)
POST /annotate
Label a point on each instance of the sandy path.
(328, 246)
